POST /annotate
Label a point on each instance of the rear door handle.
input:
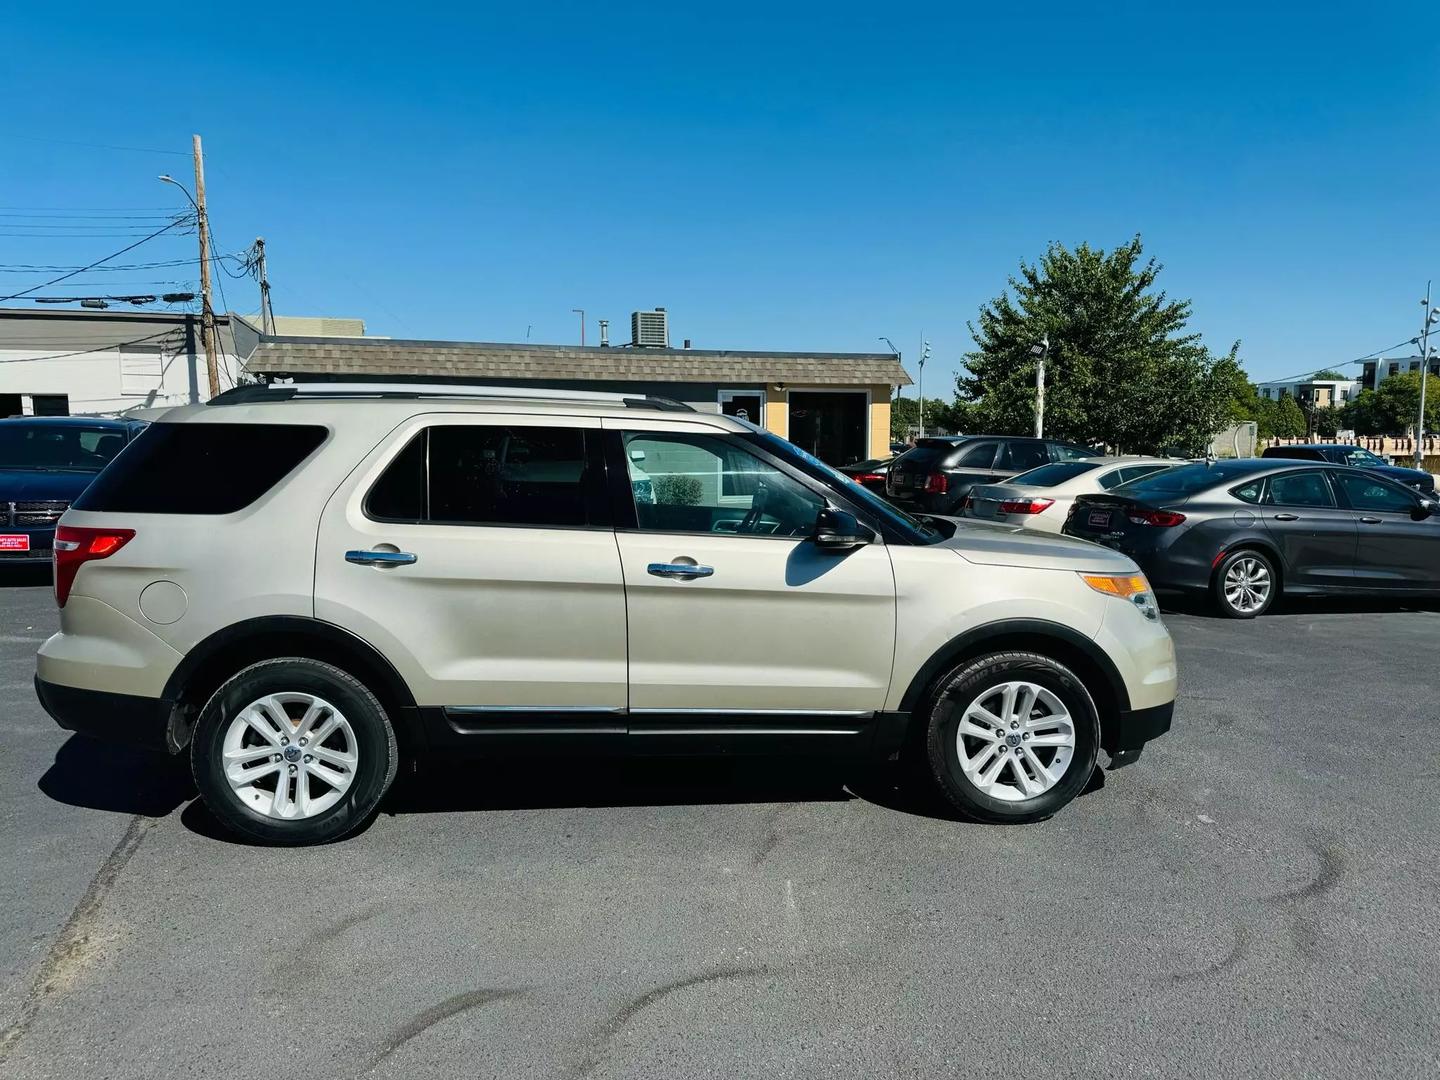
(683, 571)
(1371, 520)
(380, 558)
(1287, 517)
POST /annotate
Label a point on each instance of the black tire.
(377, 754)
(1217, 584)
(954, 694)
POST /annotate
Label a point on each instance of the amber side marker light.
(1123, 585)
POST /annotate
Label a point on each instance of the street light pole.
(1431, 315)
(891, 345)
(920, 385)
(1040, 351)
(202, 223)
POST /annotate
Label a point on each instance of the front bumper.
(1124, 740)
(152, 723)
(42, 543)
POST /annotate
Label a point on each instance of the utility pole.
(1431, 315)
(581, 313)
(207, 309)
(267, 313)
(920, 386)
(1040, 351)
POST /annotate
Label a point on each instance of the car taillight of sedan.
(1026, 506)
(1165, 519)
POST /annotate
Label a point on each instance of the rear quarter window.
(199, 468)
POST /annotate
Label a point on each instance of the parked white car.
(1041, 498)
(298, 586)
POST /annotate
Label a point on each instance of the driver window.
(711, 484)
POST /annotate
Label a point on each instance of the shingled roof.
(487, 360)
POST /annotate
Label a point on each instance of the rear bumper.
(139, 721)
(1125, 739)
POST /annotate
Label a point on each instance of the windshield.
(1183, 481)
(58, 447)
(916, 529)
(1050, 475)
(1356, 456)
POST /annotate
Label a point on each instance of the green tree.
(947, 416)
(1328, 421)
(1122, 370)
(1329, 373)
(1397, 404)
(1289, 420)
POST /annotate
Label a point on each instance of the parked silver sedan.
(1041, 498)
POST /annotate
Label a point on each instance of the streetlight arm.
(167, 179)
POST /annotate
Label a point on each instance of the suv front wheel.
(293, 751)
(1011, 737)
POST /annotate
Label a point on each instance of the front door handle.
(1371, 520)
(1287, 517)
(380, 558)
(684, 571)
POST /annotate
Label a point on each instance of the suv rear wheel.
(293, 751)
(1011, 737)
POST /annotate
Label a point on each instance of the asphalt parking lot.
(1259, 895)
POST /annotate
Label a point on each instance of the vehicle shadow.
(117, 778)
(549, 783)
(27, 576)
(1203, 607)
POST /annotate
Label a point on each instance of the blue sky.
(779, 176)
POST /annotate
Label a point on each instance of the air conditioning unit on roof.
(650, 329)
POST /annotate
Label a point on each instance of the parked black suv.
(935, 476)
(1358, 456)
(45, 463)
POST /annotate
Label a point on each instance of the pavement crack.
(67, 952)
(423, 1021)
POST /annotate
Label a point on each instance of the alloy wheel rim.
(290, 756)
(1015, 741)
(1247, 585)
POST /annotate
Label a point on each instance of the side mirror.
(1425, 509)
(840, 530)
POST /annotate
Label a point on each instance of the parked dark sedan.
(935, 476)
(45, 463)
(870, 474)
(1246, 531)
(1345, 454)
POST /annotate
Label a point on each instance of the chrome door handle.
(1287, 517)
(380, 558)
(1371, 520)
(679, 570)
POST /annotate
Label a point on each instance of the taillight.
(937, 483)
(1163, 518)
(868, 478)
(1026, 506)
(967, 503)
(75, 546)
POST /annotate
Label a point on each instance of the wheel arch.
(227, 651)
(1264, 546)
(1060, 642)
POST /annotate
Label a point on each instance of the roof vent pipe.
(604, 333)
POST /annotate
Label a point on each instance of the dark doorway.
(11, 405)
(745, 405)
(51, 404)
(829, 424)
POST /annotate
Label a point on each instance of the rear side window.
(978, 455)
(199, 468)
(1021, 455)
(1128, 473)
(1050, 475)
(1069, 452)
(479, 474)
(1299, 489)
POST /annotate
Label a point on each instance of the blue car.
(45, 463)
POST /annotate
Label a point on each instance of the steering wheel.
(757, 509)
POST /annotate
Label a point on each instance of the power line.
(159, 210)
(1342, 363)
(55, 215)
(97, 262)
(30, 268)
(96, 146)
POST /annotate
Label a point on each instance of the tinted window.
(1299, 453)
(930, 452)
(1024, 455)
(1128, 473)
(711, 484)
(199, 468)
(1050, 475)
(976, 455)
(69, 447)
(1184, 480)
(1369, 493)
(480, 474)
(1299, 489)
(1067, 452)
(1248, 492)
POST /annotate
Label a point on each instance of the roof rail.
(268, 392)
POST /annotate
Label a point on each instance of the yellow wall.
(777, 412)
(880, 421)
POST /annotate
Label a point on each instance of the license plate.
(985, 508)
(15, 543)
(1099, 519)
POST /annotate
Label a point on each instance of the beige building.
(834, 405)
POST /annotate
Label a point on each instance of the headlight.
(1132, 587)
